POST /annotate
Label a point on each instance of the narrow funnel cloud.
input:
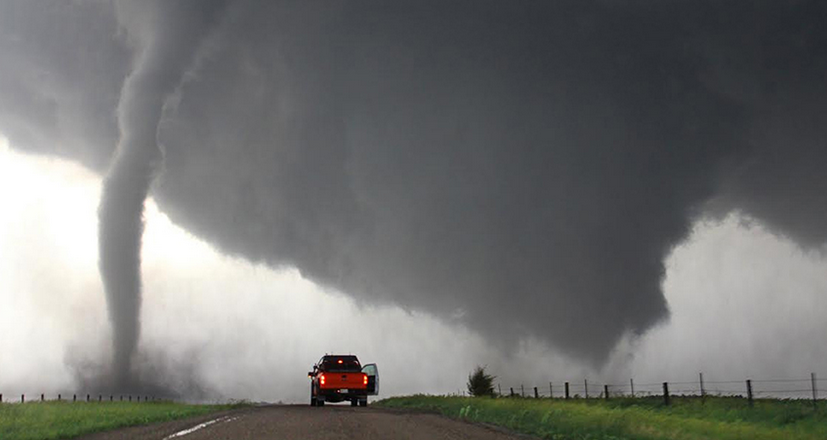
(159, 63)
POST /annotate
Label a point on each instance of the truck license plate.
(343, 391)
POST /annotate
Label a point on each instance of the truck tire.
(319, 402)
(313, 401)
(354, 402)
(363, 402)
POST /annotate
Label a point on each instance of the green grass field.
(60, 420)
(688, 418)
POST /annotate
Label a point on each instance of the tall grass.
(60, 420)
(688, 418)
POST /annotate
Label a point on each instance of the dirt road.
(307, 423)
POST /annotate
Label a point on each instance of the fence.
(42, 397)
(804, 388)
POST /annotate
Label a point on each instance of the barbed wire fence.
(82, 398)
(750, 389)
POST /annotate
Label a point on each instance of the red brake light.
(340, 361)
(365, 377)
(321, 379)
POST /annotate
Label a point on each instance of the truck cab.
(339, 378)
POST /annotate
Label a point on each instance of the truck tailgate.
(336, 380)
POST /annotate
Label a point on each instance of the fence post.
(58, 397)
(815, 390)
(42, 397)
(499, 390)
(1, 397)
(522, 390)
(87, 397)
(550, 393)
(536, 394)
(749, 391)
(703, 391)
(74, 397)
(512, 391)
(666, 393)
(22, 398)
(567, 390)
(100, 398)
(632, 383)
(606, 392)
(121, 398)
(586, 387)
(111, 398)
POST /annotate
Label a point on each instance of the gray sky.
(513, 173)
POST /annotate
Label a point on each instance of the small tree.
(481, 383)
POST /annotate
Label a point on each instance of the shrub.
(480, 383)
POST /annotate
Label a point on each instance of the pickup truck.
(337, 378)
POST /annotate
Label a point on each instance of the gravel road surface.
(308, 423)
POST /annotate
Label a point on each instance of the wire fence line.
(75, 398)
(787, 388)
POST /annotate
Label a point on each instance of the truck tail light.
(321, 379)
(365, 378)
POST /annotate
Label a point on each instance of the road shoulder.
(162, 430)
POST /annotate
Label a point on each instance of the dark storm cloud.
(61, 76)
(524, 165)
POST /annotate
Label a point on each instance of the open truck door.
(373, 378)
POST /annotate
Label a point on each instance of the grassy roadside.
(686, 419)
(60, 420)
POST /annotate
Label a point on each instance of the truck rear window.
(343, 364)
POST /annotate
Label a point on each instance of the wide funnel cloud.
(523, 167)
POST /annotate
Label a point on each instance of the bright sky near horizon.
(742, 300)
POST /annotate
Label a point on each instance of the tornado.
(164, 38)
(524, 169)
